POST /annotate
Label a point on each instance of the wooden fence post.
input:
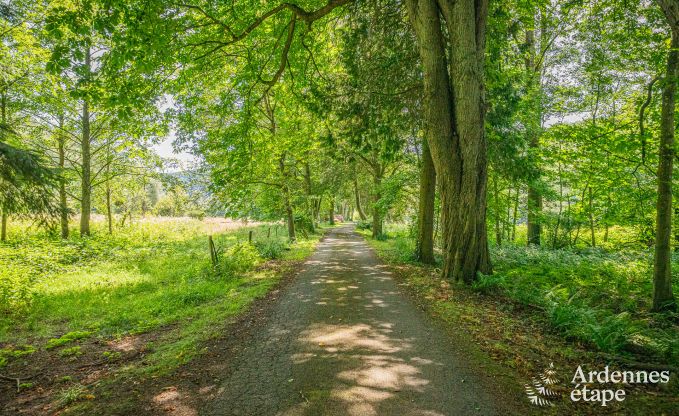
(213, 251)
(250, 237)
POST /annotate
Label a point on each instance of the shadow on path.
(343, 340)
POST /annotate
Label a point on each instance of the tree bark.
(534, 197)
(3, 220)
(454, 124)
(424, 251)
(377, 212)
(3, 227)
(309, 196)
(361, 214)
(109, 214)
(331, 212)
(515, 212)
(496, 199)
(86, 182)
(63, 204)
(289, 214)
(663, 298)
(591, 218)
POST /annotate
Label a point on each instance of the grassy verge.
(510, 317)
(149, 291)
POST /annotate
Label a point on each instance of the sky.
(165, 150)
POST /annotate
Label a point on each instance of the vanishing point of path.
(344, 340)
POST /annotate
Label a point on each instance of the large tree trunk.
(331, 212)
(86, 184)
(662, 274)
(361, 214)
(454, 123)
(424, 251)
(63, 204)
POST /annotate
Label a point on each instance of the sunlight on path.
(343, 340)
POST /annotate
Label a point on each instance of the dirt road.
(344, 340)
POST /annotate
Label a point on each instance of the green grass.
(152, 275)
(595, 296)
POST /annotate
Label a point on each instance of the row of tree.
(467, 116)
(69, 143)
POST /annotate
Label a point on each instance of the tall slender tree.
(663, 297)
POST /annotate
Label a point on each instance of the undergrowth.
(592, 296)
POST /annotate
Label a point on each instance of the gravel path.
(344, 340)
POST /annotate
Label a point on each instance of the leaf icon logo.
(539, 392)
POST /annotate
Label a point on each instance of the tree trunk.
(515, 213)
(309, 196)
(331, 212)
(424, 252)
(361, 214)
(144, 207)
(289, 215)
(63, 204)
(109, 214)
(662, 275)
(591, 218)
(3, 227)
(496, 199)
(3, 220)
(86, 185)
(377, 212)
(454, 125)
(534, 197)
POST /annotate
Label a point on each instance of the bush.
(364, 225)
(238, 258)
(488, 283)
(16, 291)
(165, 207)
(270, 248)
(304, 224)
(196, 214)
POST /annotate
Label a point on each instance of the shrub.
(381, 237)
(304, 224)
(364, 225)
(15, 288)
(238, 258)
(196, 214)
(488, 283)
(270, 248)
(166, 208)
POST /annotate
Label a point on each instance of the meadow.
(155, 275)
